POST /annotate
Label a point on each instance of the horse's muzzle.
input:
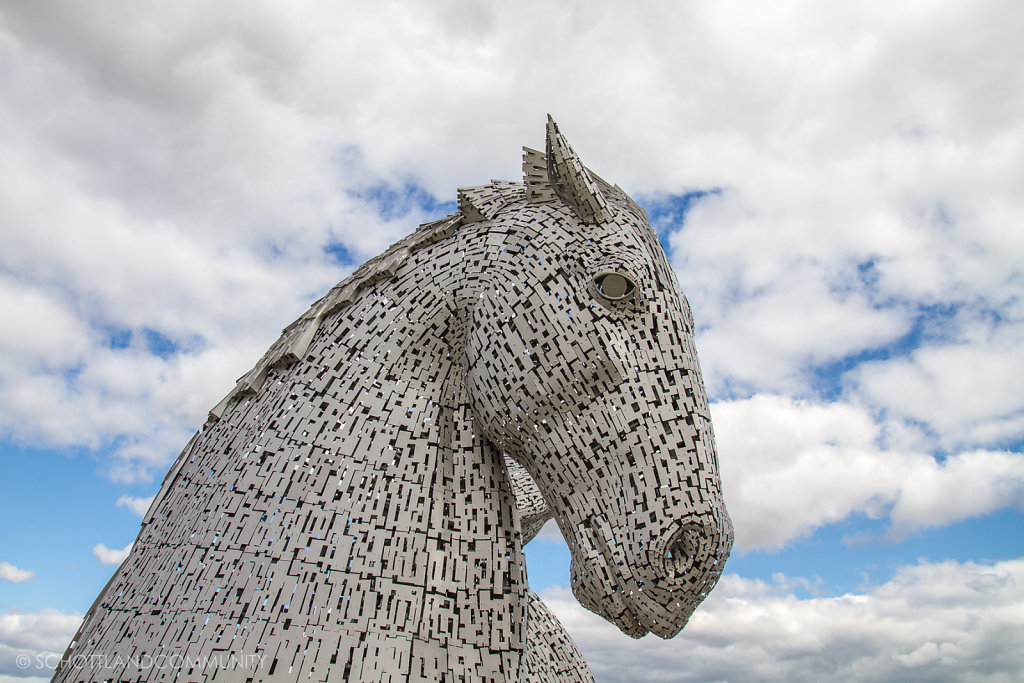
(687, 561)
(650, 587)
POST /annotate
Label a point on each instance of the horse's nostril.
(682, 551)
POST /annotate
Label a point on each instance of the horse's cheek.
(489, 390)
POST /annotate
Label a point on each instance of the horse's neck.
(377, 437)
(341, 513)
(427, 497)
(354, 482)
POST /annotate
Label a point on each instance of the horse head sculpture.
(605, 407)
(355, 508)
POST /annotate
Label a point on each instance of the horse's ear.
(535, 175)
(571, 180)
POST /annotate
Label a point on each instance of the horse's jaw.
(602, 587)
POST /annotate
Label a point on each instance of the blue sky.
(837, 186)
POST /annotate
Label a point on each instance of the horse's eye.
(614, 286)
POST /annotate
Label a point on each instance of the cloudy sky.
(839, 186)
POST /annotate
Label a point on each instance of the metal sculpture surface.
(355, 508)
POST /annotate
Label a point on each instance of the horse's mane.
(475, 204)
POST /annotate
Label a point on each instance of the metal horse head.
(582, 368)
(348, 512)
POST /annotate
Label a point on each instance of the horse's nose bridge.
(612, 350)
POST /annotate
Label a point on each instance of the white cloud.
(941, 621)
(965, 485)
(774, 338)
(111, 556)
(32, 644)
(777, 292)
(187, 178)
(790, 467)
(549, 533)
(137, 505)
(48, 334)
(8, 572)
(966, 391)
(855, 188)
